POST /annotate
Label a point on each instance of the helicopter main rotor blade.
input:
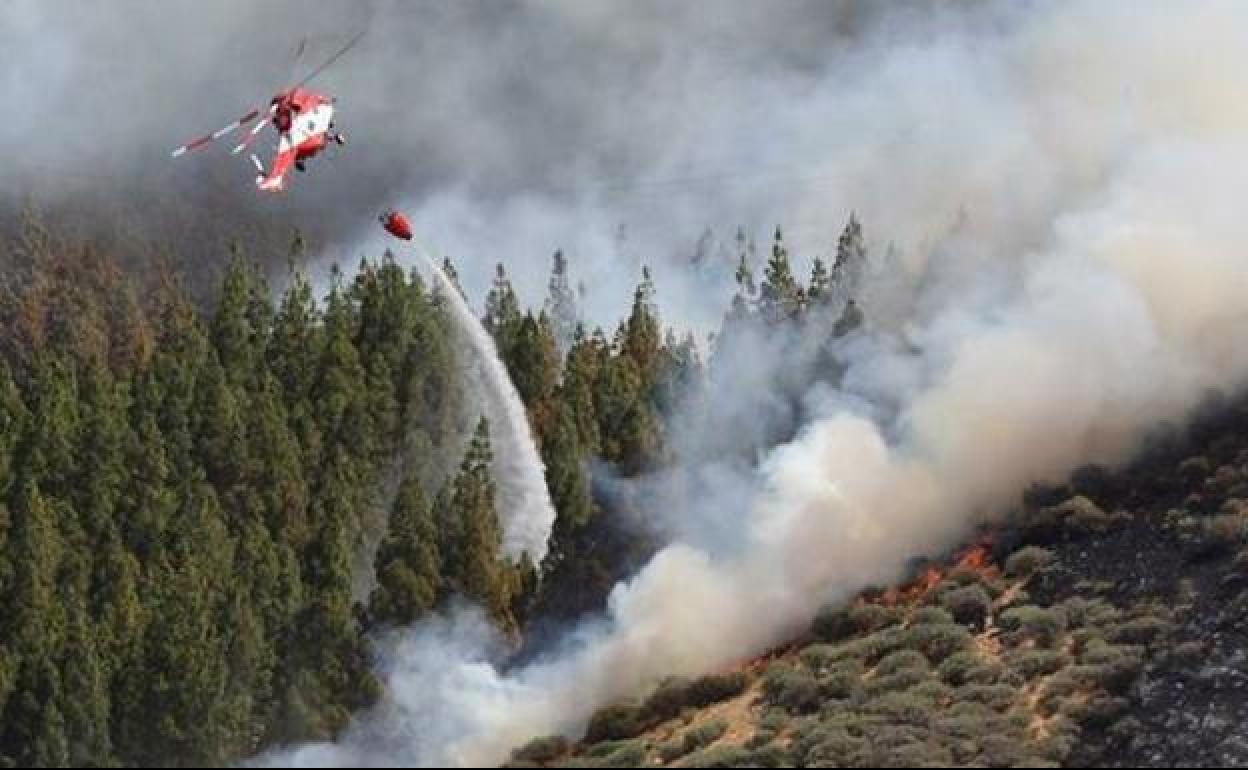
(332, 59)
(198, 142)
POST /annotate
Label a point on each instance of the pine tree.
(231, 329)
(14, 419)
(477, 570)
(502, 313)
(566, 474)
(55, 423)
(86, 710)
(851, 261)
(640, 335)
(522, 588)
(580, 372)
(452, 275)
(116, 605)
(819, 294)
(36, 625)
(561, 304)
(851, 318)
(779, 296)
(337, 397)
(101, 454)
(627, 426)
(33, 733)
(294, 345)
(680, 373)
(275, 468)
(745, 268)
(533, 363)
(428, 380)
(408, 562)
(329, 655)
(220, 432)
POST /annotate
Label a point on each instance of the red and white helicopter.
(304, 120)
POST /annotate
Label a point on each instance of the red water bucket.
(397, 225)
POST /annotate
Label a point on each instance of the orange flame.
(977, 557)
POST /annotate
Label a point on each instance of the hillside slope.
(1104, 626)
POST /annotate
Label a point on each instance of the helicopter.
(303, 119)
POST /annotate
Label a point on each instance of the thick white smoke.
(1094, 284)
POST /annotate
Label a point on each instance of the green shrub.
(819, 658)
(1042, 625)
(916, 753)
(795, 691)
(833, 624)
(872, 648)
(937, 641)
(837, 624)
(1100, 711)
(1081, 613)
(1188, 653)
(1098, 652)
(703, 735)
(869, 618)
(607, 748)
(831, 746)
(1034, 663)
(1081, 515)
(1222, 534)
(715, 688)
(671, 750)
(966, 667)
(667, 700)
(630, 754)
(1028, 561)
(969, 605)
(618, 721)
(774, 720)
(900, 661)
(840, 684)
(720, 756)
(901, 708)
(759, 739)
(1141, 631)
(676, 694)
(898, 681)
(998, 697)
(545, 749)
(1062, 736)
(965, 720)
(1125, 730)
(1000, 750)
(1224, 478)
(933, 690)
(935, 616)
(767, 755)
(1117, 676)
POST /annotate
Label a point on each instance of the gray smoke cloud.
(509, 129)
(1060, 183)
